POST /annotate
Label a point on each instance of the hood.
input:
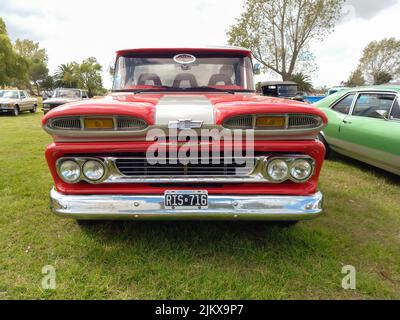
(7, 100)
(211, 108)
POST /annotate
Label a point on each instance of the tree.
(89, 76)
(303, 82)
(13, 67)
(381, 57)
(356, 79)
(48, 83)
(67, 75)
(86, 75)
(37, 62)
(279, 31)
(382, 77)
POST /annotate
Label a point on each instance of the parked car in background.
(17, 101)
(281, 89)
(364, 123)
(62, 96)
(46, 94)
(336, 89)
(118, 157)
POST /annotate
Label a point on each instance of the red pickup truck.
(184, 135)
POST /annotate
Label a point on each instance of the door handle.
(347, 121)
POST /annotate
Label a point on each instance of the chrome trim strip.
(226, 207)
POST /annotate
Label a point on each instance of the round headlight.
(93, 170)
(301, 169)
(278, 170)
(70, 171)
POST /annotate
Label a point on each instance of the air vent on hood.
(304, 121)
(70, 123)
(240, 122)
(128, 123)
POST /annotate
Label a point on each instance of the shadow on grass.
(380, 173)
(206, 238)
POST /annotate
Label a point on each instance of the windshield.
(9, 94)
(183, 71)
(65, 93)
(287, 90)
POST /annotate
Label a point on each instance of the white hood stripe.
(182, 107)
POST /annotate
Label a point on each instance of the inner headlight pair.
(71, 171)
(282, 169)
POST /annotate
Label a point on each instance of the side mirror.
(257, 69)
(383, 114)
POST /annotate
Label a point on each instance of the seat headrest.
(185, 77)
(220, 77)
(149, 77)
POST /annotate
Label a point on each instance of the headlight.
(93, 170)
(301, 169)
(70, 171)
(278, 170)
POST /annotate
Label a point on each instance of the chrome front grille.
(303, 121)
(70, 123)
(141, 167)
(292, 122)
(120, 123)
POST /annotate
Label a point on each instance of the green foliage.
(356, 79)
(90, 76)
(279, 31)
(13, 67)
(37, 59)
(380, 58)
(86, 75)
(67, 75)
(303, 82)
(382, 77)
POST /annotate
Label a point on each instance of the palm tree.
(303, 82)
(66, 75)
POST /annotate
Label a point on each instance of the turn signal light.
(99, 123)
(271, 122)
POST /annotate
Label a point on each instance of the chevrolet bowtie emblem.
(185, 124)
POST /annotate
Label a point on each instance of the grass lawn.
(185, 260)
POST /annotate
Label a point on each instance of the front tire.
(328, 149)
(16, 111)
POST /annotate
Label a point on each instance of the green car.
(364, 123)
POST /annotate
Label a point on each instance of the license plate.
(181, 200)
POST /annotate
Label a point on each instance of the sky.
(77, 29)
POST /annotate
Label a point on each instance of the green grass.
(185, 260)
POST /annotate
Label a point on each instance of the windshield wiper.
(207, 88)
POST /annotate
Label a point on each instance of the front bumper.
(148, 207)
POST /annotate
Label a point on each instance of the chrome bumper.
(147, 207)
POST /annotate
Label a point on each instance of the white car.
(17, 101)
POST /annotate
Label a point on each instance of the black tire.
(34, 109)
(328, 149)
(16, 111)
